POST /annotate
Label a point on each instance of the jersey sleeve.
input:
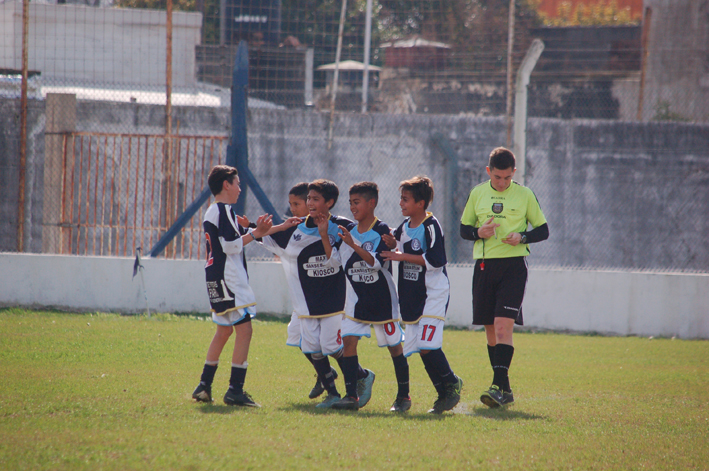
(535, 216)
(470, 217)
(229, 234)
(435, 254)
(277, 243)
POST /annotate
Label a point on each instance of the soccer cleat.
(319, 388)
(203, 393)
(328, 402)
(401, 404)
(364, 388)
(507, 398)
(494, 397)
(232, 398)
(347, 403)
(449, 399)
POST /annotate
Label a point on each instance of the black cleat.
(346, 403)
(203, 393)
(319, 388)
(243, 398)
(401, 404)
(494, 397)
(449, 399)
(507, 398)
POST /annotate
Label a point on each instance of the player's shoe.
(319, 388)
(232, 398)
(401, 404)
(347, 403)
(203, 393)
(328, 402)
(449, 399)
(507, 398)
(494, 397)
(364, 388)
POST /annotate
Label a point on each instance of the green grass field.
(104, 391)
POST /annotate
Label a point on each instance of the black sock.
(440, 363)
(208, 374)
(361, 372)
(433, 374)
(349, 371)
(501, 366)
(401, 369)
(238, 375)
(491, 355)
(322, 366)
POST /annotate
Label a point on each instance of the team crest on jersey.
(497, 208)
(297, 237)
(415, 244)
(331, 238)
(368, 246)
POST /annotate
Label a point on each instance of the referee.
(496, 218)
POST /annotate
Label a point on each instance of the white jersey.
(316, 282)
(371, 291)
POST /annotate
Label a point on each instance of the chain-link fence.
(437, 70)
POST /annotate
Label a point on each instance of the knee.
(224, 332)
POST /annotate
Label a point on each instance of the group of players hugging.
(339, 275)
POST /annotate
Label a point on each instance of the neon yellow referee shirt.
(513, 209)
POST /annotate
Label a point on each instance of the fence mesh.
(103, 181)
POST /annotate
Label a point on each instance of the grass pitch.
(103, 391)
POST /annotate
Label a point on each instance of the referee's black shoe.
(319, 388)
(203, 393)
(496, 397)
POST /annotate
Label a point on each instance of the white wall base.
(621, 303)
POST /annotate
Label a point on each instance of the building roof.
(349, 65)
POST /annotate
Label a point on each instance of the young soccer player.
(297, 202)
(230, 295)
(424, 289)
(316, 279)
(371, 299)
(496, 217)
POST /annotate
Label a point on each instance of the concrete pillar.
(61, 119)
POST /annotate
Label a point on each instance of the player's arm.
(287, 224)
(322, 221)
(537, 220)
(346, 237)
(263, 225)
(404, 257)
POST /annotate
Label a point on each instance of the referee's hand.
(487, 230)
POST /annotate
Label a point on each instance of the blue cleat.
(364, 388)
(328, 402)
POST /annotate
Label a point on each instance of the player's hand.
(346, 236)
(321, 220)
(291, 222)
(243, 221)
(263, 225)
(389, 240)
(392, 255)
(513, 239)
(487, 230)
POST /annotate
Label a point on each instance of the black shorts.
(498, 290)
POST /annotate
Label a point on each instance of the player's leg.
(203, 392)
(431, 344)
(235, 395)
(311, 343)
(391, 336)
(294, 341)
(349, 363)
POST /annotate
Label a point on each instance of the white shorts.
(426, 334)
(321, 335)
(232, 317)
(293, 331)
(388, 335)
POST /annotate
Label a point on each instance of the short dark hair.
(502, 159)
(369, 190)
(326, 188)
(218, 175)
(421, 187)
(300, 190)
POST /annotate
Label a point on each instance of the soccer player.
(230, 295)
(297, 202)
(424, 289)
(496, 217)
(371, 300)
(317, 282)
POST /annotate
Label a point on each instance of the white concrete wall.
(624, 303)
(107, 45)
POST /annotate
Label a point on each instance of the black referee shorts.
(498, 290)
